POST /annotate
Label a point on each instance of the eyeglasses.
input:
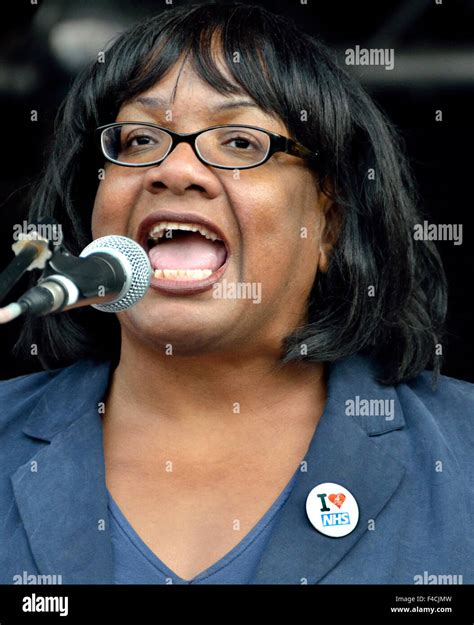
(235, 146)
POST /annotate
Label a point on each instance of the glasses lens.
(134, 144)
(233, 146)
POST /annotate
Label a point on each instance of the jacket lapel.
(346, 450)
(60, 492)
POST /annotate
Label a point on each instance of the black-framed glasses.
(229, 146)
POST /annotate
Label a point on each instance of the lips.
(188, 253)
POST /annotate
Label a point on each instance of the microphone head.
(135, 264)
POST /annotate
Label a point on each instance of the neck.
(213, 397)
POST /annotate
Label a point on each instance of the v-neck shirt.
(136, 563)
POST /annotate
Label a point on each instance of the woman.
(262, 415)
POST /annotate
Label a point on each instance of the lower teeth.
(182, 274)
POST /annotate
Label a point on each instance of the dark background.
(43, 46)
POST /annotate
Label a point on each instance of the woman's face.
(272, 218)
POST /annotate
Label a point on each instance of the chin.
(187, 332)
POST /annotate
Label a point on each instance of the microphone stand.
(32, 251)
(16, 268)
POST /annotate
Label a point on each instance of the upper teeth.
(159, 229)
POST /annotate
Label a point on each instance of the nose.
(182, 171)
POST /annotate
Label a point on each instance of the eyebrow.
(158, 102)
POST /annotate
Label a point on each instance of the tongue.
(191, 251)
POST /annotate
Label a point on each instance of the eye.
(241, 141)
(141, 140)
(130, 139)
(137, 139)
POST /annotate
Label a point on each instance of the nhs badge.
(332, 510)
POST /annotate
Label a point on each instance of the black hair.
(384, 294)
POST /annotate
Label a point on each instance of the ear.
(331, 225)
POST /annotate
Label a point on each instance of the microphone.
(111, 274)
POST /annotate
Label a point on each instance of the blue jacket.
(411, 471)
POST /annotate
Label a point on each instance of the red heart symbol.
(337, 499)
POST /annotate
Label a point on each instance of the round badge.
(332, 509)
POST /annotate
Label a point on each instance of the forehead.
(181, 95)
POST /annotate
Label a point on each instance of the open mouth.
(190, 254)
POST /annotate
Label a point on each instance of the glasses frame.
(278, 143)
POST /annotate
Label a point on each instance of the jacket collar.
(64, 502)
(61, 492)
(70, 394)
